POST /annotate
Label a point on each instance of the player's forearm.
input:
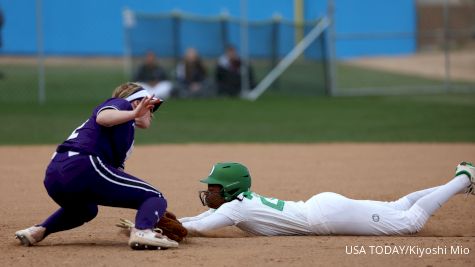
(209, 223)
(112, 117)
(197, 217)
(197, 228)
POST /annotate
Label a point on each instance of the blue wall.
(384, 17)
(92, 27)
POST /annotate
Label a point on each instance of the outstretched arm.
(207, 223)
(197, 217)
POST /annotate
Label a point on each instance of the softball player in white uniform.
(232, 203)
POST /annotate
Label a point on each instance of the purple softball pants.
(79, 183)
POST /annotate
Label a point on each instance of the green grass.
(297, 119)
(91, 83)
(66, 83)
(355, 77)
(440, 118)
(278, 116)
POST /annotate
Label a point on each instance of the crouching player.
(87, 170)
(232, 203)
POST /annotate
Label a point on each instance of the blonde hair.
(125, 90)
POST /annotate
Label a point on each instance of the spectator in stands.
(228, 73)
(152, 77)
(191, 76)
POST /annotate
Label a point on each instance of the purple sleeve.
(119, 137)
(111, 144)
(113, 103)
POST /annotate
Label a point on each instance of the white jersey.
(256, 214)
(323, 214)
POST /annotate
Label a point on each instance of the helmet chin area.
(211, 199)
(202, 195)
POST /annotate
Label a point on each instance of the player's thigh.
(116, 188)
(67, 179)
(361, 217)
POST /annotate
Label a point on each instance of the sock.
(406, 202)
(412, 198)
(69, 218)
(434, 200)
(150, 212)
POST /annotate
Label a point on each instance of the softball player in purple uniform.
(87, 170)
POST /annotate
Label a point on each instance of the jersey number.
(274, 203)
(75, 133)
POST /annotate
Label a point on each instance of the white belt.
(70, 154)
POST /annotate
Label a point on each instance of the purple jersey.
(111, 144)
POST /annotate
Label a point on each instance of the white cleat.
(30, 236)
(468, 169)
(149, 239)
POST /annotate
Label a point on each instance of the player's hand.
(168, 225)
(154, 102)
(145, 105)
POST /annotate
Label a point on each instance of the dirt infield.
(428, 65)
(292, 172)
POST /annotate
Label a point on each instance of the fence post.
(298, 20)
(245, 62)
(129, 22)
(224, 21)
(276, 21)
(325, 62)
(447, 45)
(41, 56)
(176, 21)
(331, 46)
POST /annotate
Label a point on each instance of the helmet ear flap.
(231, 194)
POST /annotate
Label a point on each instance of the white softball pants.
(333, 214)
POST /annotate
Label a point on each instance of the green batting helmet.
(233, 177)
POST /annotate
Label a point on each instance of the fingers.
(150, 102)
(140, 104)
(156, 101)
(146, 101)
(127, 222)
(170, 215)
(143, 106)
(124, 223)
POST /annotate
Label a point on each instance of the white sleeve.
(208, 223)
(197, 217)
(235, 210)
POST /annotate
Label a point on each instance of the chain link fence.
(442, 62)
(444, 40)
